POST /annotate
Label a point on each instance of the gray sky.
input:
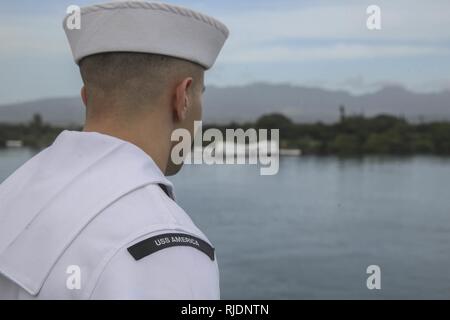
(312, 43)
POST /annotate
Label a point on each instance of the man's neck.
(155, 142)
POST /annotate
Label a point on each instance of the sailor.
(93, 216)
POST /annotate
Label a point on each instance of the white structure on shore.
(290, 152)
(14, 143)
(245, 150)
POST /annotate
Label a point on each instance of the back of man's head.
(120, 82)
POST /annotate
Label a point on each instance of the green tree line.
(353, 135)
(357, 135)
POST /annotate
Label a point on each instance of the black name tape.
(167, 240)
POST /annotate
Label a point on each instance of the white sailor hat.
(147, 27)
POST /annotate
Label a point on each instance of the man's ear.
(181, 101)
(84, 95)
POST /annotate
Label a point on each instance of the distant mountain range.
(247, 103)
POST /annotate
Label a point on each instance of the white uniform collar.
(48, 201)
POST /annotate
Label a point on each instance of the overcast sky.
(312, 43)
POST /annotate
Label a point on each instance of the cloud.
(37, 35)
(359, 84)
(401, 20)
(408, 29)
(329, 52)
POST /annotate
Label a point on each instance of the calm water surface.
(311, 230)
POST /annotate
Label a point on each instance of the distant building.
(14, 143)
(290, 152)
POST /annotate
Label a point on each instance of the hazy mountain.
(313, 104)
(241, 103)
(62, 111)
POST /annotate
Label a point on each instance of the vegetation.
(355, 135)
(35, 134)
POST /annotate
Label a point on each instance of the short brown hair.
(132, 78)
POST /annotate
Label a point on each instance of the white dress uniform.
(93, 217)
